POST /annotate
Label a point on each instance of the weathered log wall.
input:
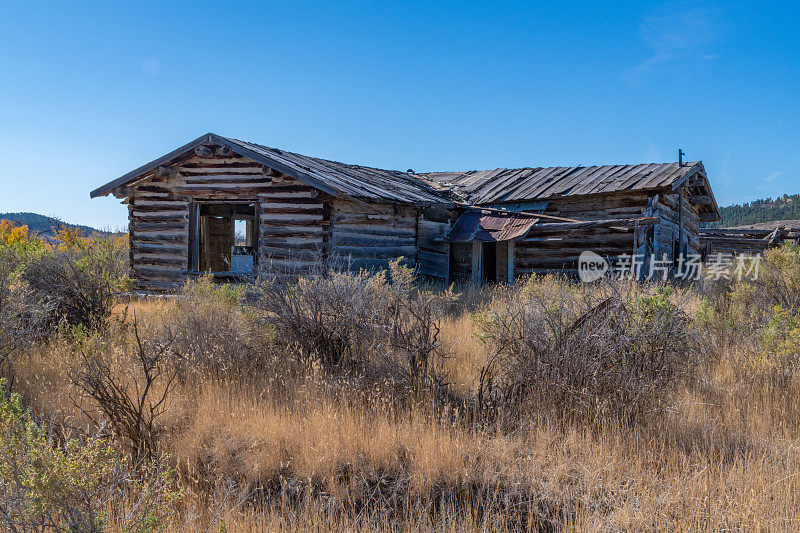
(301, 229)
(159, 235)
(370, 235)
(540, 253)
(543, 253)
(294, 228)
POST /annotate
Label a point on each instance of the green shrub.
(781, 336)
(44, 485)
(779, 280)
(72, 485)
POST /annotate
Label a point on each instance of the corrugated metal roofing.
(480, 187)
(474, 225)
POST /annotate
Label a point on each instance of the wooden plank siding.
(433, 258)
(669, 226)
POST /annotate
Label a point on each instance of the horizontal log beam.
(625, 224)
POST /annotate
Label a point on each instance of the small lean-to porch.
(482, 245)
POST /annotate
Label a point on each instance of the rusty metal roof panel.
(478, 226)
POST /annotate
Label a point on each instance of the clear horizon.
(94, 90)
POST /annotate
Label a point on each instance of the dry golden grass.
(141, 307)
(724, 455)
(467, 354)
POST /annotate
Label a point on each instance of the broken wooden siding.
(668, 229)
(748, 241)
(460, 261)
(540, 252)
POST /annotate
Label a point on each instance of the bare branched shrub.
(133, 398)
(580, 350)
(332, 319)
(377, 326)
(416, 332)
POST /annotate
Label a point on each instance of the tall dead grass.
(276, 440)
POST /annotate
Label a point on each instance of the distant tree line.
(786, 207)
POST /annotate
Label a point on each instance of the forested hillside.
(787, 207)
(41, 224)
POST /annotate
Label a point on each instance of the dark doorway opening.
(489, 262)
(224, 238)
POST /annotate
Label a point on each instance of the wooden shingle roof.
(483, 187)
(505, 185)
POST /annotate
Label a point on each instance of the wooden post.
(477, 275)
(680, 228)
(256, 236)
(510, 262)
(194, 236)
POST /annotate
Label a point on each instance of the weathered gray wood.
(570, 226)
(204, 151)
(477, 275)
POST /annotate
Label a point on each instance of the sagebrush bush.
(79, 283)
(333, 320)
(209, 328)
(584, 351)
(375, 326)
(70, 485)
(72, 280)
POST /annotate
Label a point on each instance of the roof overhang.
(217, 140)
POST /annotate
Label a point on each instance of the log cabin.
(239, 210)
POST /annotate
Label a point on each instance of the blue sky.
(90, 91)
